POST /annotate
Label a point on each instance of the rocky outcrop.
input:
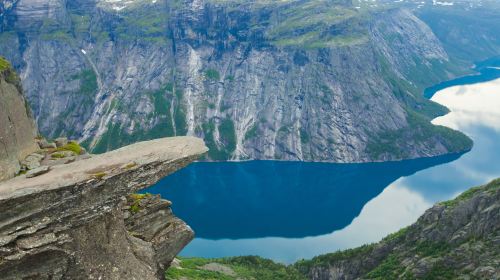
(78, 221)
(293, 80)
(17, 127)
(457, 239)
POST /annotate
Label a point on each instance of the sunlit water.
(291, 210)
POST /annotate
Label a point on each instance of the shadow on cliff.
(281, 199)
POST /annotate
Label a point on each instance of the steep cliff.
(81, 220)
(17, 127)
(452, 240)
(295, 80)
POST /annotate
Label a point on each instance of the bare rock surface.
(73, 222)
(17, 128)
(37, 171)
(245, 81)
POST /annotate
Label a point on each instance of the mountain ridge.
(298, 80)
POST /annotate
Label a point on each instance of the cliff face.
(80, 221)
(17, 127)
(294, 80)
(453, 239)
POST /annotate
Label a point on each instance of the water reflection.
(394, 207)
(288, 211)
(283, 199)
(487, 70)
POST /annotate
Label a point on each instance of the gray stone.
(36, 241)
(44, 144)
(72, 224)
(62, 154)
(32, 161)
(61, 141)
(37, 171)
(84, 156)
(54, 162)
(217, 267)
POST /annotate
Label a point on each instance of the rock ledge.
(70, 222)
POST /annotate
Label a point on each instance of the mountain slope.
(292, 80)
(452, 239)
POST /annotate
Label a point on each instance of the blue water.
(487, 70)
(279, 199)
(292, 210)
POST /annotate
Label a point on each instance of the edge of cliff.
(82, 220)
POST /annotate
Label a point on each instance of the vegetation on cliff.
(454, 238)
(249, 267)
(237, 71)
(4, 64)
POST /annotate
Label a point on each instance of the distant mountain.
(324, 80)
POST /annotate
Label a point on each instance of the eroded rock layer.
(74, 222)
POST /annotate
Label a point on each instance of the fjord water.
(292, 210)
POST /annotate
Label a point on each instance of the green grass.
(391, 268)
(304, 136)
(135, 200)
(180, 115)
(317, 24)
(99, 175)
(251, 133)
(249, 267)
(212, 74)
(411, 94)
(4, 64)
(11, 75)
(57, 155)
(304, 266)
(88, 82)
(397, 235)
(428, 248)
(227, 136)
(143, 25)
(309, 14)
(440, 271)
(116, 136)
(57, 35)
(492, 186)
(72, 146)
(419, 130)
